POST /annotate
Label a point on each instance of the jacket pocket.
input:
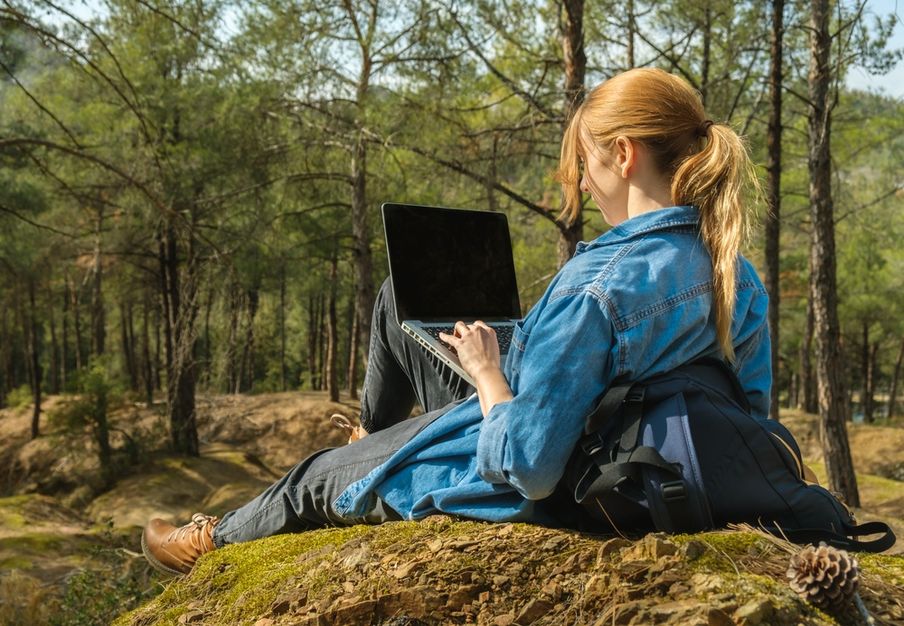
(516, 354)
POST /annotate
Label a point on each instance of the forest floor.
(69, 546)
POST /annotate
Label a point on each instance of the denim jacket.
(634, 302)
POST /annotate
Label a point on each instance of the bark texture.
(774, 198)
(332, 332)
(829, 374)
(896, 376)
(575, 60)
(178, 290)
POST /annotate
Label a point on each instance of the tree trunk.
(896, 376)
(314, 340)
(321, 354)
(774, 179)
(864, 370)
(793, 390)
(158, 347)
(206, 355)
(232, 350)
(54, 347)
(64, 339)
(361, 254)
(869, 403)
(102, 437)
(575, 61)
(707, 46)
(353, 355)
(332, 342)
(246, 382)
(807, 387)
(6, 361)
(98, 312)
(492, 175)
(148, 369)
(283, 373)
(77, 323)
(128, 347)
(830, 383)
(632, 31)
(179, 295)
(35, 359)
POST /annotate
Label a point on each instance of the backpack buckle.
(635, 394)
(591, 444)
(673, 490)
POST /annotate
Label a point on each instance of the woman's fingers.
(470, 335)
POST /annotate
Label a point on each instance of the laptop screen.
(450, 264)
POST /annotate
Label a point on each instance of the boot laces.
(341, 421)
(192, 530)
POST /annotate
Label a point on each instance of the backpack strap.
(843, 541)
(602, 477)
(607, 407)
(631, 416)
(730, 385)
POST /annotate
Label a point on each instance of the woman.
(663, 287)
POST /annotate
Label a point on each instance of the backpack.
(681, 452)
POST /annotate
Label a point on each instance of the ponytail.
(713, 180)
(568, 173)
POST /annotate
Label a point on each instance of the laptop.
(448, 265)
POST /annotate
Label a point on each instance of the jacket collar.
(661, 219)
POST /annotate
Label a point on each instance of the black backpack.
(681, 452)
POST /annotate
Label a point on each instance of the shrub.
(98, 391)
(117, 582)
(19, 397)
(23, 600)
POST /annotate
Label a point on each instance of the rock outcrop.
(443, 571)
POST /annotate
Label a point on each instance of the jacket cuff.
(491, 446)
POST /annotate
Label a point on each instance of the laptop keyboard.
(503, 335)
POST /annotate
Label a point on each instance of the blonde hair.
(707, 163)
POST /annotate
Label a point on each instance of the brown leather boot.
(174, 549)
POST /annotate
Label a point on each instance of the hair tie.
(704, 127)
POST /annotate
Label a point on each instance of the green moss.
(33, 542)
(889, 568)
(12, 519)
(14, 563)
(244, 580)
(874, 490)
(724, 546)
(16, 501)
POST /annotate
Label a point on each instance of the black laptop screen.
(449, 264)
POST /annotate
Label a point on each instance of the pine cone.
(824, 576)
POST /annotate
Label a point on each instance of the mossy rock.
(443, 571)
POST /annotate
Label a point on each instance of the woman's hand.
(476, 345)
(478, 351)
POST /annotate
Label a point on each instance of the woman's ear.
(625, 156)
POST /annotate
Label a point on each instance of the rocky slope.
(68, 551)
(442, 571)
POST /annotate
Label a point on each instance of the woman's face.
(602, 180)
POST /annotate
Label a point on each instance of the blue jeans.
(399, 373)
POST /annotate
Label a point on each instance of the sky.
(891, 84)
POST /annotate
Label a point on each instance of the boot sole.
(157, 565)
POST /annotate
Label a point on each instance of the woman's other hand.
(478, 351)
